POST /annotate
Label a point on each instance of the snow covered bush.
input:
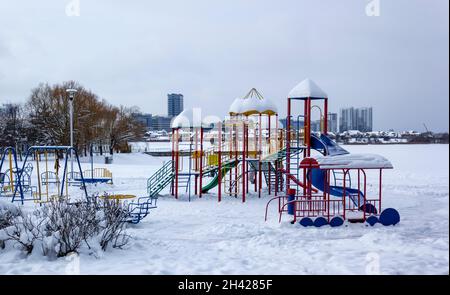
(69, 225)
(60, 228)
(26, 230)
(7, 213)
(112, 225)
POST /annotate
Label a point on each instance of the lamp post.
(71, 93)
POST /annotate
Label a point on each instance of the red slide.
(295, 180)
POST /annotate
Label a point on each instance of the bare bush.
(26, 230)
(8, 213)
(61, 228)
(113, 225)
(70, 225)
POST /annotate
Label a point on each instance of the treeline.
(44, 120)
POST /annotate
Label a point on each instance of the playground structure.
(52, 178)
(249, 154)
(326, 193)
(9, 174)
(238, 158)
(92, 176)
(50, 183)
(312, 178)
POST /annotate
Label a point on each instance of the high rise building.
(175, 104)
(333, 122)
(360, 119)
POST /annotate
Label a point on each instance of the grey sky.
(212, 51)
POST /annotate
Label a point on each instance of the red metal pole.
(177, 159)
(288, 144)
(260, 155)
(236, 155)
(255, 149)
(172, 192)
(359, 187)
(270, 150)
(380, 189)
(325, 122)
(309, 127)
(247, 185)
(201, 161)
(219, 195)
(244, 160)
(305, 135)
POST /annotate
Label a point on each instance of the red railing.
(313, 207)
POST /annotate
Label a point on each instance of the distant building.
(316, 126)
(360, 119)
(145, 119)
(294, 124)
(333, 122)
(175, 104)
(161, 123)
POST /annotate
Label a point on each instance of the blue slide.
(328, 147)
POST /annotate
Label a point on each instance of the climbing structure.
(318, 173)
(234, 161)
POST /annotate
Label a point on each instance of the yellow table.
(118, 198)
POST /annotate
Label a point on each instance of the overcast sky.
(212, 51)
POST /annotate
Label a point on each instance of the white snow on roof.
(236, 107)
(307, 88)
(193, 118)
(354, 161)
(253, 104)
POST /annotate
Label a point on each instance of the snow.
(193, 118)
(354, 161)
(205, 237)
(236, 107)
(252, 105)
(307, 88)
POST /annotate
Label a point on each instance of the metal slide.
(215, 181)
(328, 147)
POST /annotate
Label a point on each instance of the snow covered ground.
(204, 237)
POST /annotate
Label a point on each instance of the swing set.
(92, 176)
(9, 177)
(50, 184)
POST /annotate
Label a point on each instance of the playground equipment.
(138, 210)
(9, 177)
(326, 194)
(92, 176)
(50, 184)
(238, 156)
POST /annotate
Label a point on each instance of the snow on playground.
(204, 237)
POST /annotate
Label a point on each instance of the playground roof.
(354, 161)
(192, 118)
(307, 89)
(253, 104)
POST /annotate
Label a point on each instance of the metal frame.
(67, 150)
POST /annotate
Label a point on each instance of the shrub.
(61, 228)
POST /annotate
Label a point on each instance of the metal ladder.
(139, 209)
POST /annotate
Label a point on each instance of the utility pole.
(71, 93)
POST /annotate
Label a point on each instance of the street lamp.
(71, 93)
